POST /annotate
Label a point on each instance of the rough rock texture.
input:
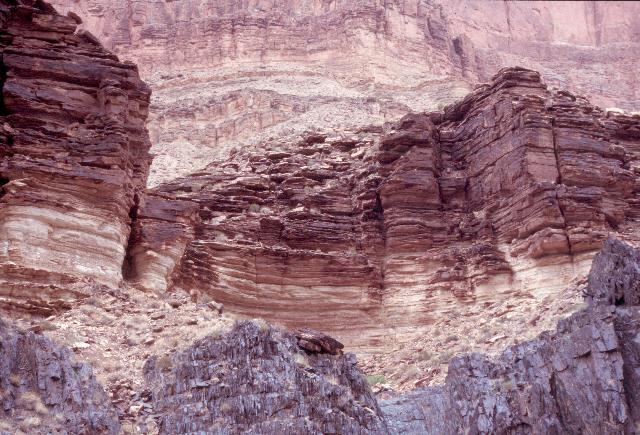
(41, 386)
(256, 379)
(229, 71)
(370, 235)
(579, 379)
(73, 154)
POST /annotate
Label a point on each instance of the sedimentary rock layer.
(371, 234)
(581, 378)
(226, 72)
(73, 153)
(41, 386)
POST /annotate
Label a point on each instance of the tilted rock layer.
(371, 235)
(256, 379)
(73, 154)
(229, 71)
(41, 386)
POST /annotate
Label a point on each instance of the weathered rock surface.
(41, 386)
(374, 234)
(579, 379)
(256, 379)
(226, 72)
(73, 155)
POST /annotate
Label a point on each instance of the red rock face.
(376, 231)
(226, 73)
(73, 153)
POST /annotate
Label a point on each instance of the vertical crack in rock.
(127, 267)
(559, 185)
(4, 111)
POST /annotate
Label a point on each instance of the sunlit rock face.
(73, 153)
(227, 73)
(372, 234)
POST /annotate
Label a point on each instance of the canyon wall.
(73, 155)
(225, 74)
(379, 235)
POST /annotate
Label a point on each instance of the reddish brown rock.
(232, 72)
(73, 154)
(317, 342)
(506, 194)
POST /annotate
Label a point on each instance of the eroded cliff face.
(234, 72)
(73, 156)
(495, 205)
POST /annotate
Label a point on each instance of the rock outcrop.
(582, 378)
(256, 379)
(41, 386)
(232, 71)
(73, 155)
(372, 235)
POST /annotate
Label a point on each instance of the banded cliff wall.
(379, 235)
(73, 155)
(227, 73)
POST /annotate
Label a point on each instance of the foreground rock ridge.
(580, 378)
(73, 155)
(257, 379)
(225, 73)
(377, 234)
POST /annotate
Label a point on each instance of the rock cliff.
(73, 155)
(227, 72)
(466, 228)
(383, 234)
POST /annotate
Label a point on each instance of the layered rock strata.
(372, 234)
(256, 379)
(229, 72)
(579, 379)
(73, 154)
(41, 386)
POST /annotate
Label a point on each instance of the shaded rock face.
(256, 379)
(73, 153)
(579, 379)
(506, 194)
(42, 386)
(226, 72)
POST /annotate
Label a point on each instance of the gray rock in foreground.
(43, 390)
(257, 379)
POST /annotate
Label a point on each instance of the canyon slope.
(227, 73)
(469, 228)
